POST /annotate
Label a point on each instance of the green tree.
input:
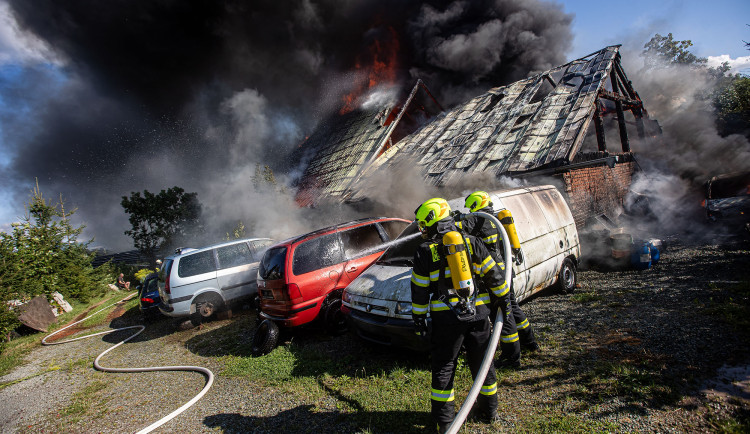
(732, 102)
(263, 176)
(238, 232)
(162, 220)
(730, 93)
(42, 255)
(666, 50)
(265, 179)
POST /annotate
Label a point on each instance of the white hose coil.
(209, 375)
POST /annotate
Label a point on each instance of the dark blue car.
(149, 296)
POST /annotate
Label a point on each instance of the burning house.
(539, 126)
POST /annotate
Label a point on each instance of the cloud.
(739, 65)
(19, 46)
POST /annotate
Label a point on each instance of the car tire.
(265, 339)
(333, 318)
(205, 307)
(567, 277)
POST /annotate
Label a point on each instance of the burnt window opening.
(495, 99)
(521, 120)
(556, 76)
(573, 79)
(542, 91)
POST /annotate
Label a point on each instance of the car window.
(261, 244)
(272, 265)
(394, 228)
(164, 270)
(152, 285)
(197, 263)
(729, 186)
(402, 251)
(234, 255)
(259, 248)
(317, 253)
(361, 241)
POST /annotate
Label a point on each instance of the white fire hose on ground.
(209, 375)
(489, 355)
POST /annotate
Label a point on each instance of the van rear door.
(317, 265)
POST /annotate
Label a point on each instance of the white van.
(199, 282)
(377, 304)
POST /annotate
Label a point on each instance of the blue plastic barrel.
(655, 255)
(640, 256)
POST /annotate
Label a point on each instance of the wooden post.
(620, 115)
(599, 124)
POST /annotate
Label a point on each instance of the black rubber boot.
(507, 364)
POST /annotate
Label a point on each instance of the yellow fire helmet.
(432, 211)
(477, 200)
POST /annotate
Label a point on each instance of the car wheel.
(265, 339)
(566, 280)
(205, 307)
(333, 318)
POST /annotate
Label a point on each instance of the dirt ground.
(660, 350)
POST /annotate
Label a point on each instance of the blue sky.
(716, 28)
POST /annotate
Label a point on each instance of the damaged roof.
(347, 142)
(535, 123)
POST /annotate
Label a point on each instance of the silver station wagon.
(199, 282)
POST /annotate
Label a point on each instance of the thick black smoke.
(196, 93)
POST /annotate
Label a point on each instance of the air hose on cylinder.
(209, 375)
(489, 355)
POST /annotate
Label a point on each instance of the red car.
(302, 278)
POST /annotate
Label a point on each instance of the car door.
(237, 270)
(363, 245)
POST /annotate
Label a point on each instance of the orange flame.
(381, 69)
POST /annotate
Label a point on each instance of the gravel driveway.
(639, 351)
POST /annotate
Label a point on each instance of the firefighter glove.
(420, 325)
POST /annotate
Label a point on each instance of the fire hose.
(489, 355)
(209, 375)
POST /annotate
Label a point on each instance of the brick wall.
(597, 190)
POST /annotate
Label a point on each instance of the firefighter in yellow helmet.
(517, 331)
(459, 316)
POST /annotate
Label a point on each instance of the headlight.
(403, 308)
(346, 297)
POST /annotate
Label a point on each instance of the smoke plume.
(148, 95)
(690, 151)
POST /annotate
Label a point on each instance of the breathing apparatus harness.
(455, 257)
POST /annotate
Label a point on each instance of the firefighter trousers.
(446, 344)
(516, 330)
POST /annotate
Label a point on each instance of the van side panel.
(558, 242)
(534, 234)
(548, 235)
(238, 282)
(560, 218)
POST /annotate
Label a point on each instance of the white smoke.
(690, 151)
